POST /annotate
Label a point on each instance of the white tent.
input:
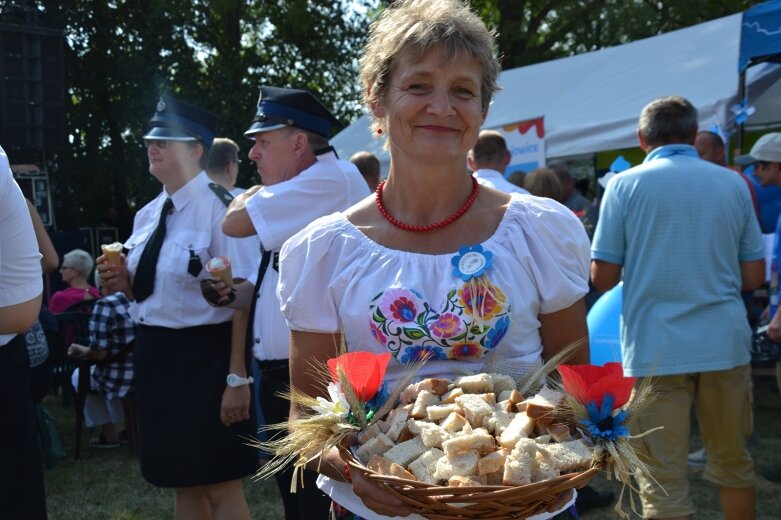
(591, 102)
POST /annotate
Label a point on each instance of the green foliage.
(122, 54)
(532, 31)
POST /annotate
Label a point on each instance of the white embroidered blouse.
(334, 278)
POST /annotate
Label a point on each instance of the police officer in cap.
(192, 388)
(303, 180)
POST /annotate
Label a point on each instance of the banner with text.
(526, 142)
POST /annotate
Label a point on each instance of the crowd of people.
(223, 297)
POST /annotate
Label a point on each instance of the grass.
(107, 484)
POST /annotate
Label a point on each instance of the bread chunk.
(520, 427)
(425, 466)
(475, 384)
(503, 383)
(450, 396)
(479, 440)
(499, 421)
(423, 401)
(440, 411)
(384, 466)
(371, 431)
(560, 432)
(474, 408)
(568, 456)
(454, 422)
(463, 464)
(493, 462)
(405, 452)
(375, 446)
(543, 468)
(395, 422)
(459, 481)
(518, 465)
(431, 434)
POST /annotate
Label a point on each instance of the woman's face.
(432, 106)
(68, 272)
(167, 158)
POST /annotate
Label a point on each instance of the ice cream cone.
(220, 266)
(113, 252)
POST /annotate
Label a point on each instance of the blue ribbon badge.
(471, 262)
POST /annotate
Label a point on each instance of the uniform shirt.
(111, 329)
(494, 179)
(278, 212)
(20, 260)
(681, 252)
(193, 230)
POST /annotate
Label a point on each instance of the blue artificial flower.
(602, 423)
(471, 262)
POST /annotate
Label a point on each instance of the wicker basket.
(483, 502)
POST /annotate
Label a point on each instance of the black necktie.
(144, 281)
(265, 260)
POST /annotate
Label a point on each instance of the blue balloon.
(604, 327)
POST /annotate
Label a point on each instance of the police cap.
(175, 120)
(281, 107)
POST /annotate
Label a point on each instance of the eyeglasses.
(64, 267)
(160, 143)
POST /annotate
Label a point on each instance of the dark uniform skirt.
(180, 379)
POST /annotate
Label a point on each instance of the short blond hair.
(420, 26)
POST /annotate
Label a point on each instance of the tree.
(533, 31)
(121, 55)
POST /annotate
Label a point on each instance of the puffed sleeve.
(308, 266)
(555, 251)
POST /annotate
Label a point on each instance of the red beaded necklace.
(429, 227)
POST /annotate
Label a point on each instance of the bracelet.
(346, 472)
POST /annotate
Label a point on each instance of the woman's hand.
(216, 292)
(115, 278)
(78, 351)
(235, 405)
(376, 498)
(371, 494)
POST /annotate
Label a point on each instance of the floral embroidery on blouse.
(472, 321)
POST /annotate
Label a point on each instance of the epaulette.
(222, 194)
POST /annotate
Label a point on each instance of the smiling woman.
(434, 266)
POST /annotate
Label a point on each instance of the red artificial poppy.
(364, 370)
(588, 383)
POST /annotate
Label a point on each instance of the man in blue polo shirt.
(684, 232)
(765, 155)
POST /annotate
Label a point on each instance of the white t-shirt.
(194, 228)
(494, 179)
(277, 213)
(20, 260)
(335, 279)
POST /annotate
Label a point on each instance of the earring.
(379, 131)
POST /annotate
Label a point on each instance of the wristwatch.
(235, 380)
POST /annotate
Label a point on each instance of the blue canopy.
(760, 33)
